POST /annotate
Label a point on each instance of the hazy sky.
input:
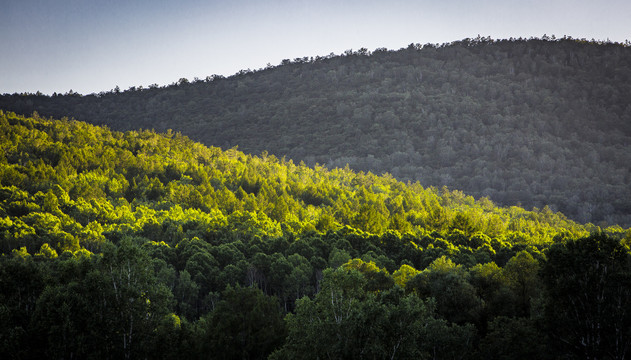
(94, 45)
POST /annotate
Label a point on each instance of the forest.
(150, 245)
(529, 122)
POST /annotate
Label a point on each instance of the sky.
(90, 46)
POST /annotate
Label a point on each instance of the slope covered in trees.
(537, 122)
(144, 245)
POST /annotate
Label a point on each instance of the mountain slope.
(536, 122)
(144, 245)
(123, 182)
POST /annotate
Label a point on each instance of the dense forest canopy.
(144, 245)
(533, 122)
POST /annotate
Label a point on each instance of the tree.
(404, 274)
(65, 322)
(298, 280)
(456, 298)
(493, 288)
(325, 326)
(513, 338)
(186, 292)
(405, 317)
(46, 252)
(588, 286)
(371, 218)
(172, 339)
(21, 283)
(522, 273)
(346, 322)
(442, 340)
(464, 223)
(136, 301)
(377, 279)
(245, 324)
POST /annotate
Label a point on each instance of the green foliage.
(456, 298)
(46, 252)
(521, 273)
(245, 324)
(589, 285)
(138, 180)
(514, 338)
(404, 274)
(351, 323)
(141, 245)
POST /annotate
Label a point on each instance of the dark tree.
(589, 296)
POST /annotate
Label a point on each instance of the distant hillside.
(533, 122)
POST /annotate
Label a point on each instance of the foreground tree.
(589, 296)
(513, 338)
(133, 299)
(347, 321)
(246, 324)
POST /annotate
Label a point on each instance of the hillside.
(146, 245)
(533, 122)
(84, 173)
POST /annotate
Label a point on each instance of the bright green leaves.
(463, 223)
(403, 275)
(138, 180)
(370, 219)
(377, 279)
(46, 252)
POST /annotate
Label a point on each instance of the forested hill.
(100, 181)
(143, 245)
(537, 122)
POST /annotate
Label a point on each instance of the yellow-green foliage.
(68, 184)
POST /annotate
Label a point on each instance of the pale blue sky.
(94, 45)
